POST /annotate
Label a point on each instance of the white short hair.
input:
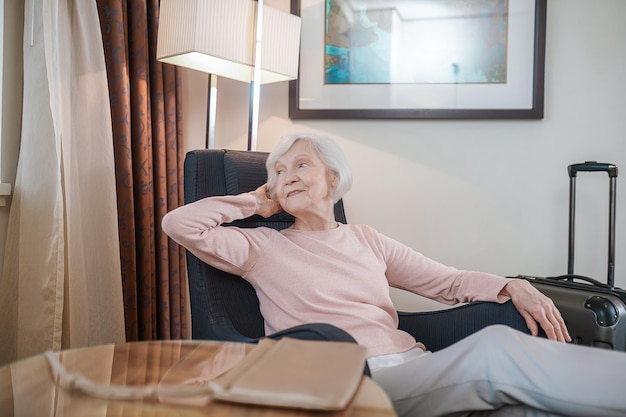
(326, 149)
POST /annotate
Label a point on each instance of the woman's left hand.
(535, 307)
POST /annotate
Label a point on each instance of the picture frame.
(519, 96)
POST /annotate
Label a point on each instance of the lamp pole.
(255, 85)
(211, 111)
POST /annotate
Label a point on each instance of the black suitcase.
(595, 312)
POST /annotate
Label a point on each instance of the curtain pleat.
(147, 137)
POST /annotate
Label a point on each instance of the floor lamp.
(239, 39)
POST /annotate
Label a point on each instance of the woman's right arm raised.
(196, 226)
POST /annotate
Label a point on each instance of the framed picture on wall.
(420, 59)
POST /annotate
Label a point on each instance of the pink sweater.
(340, 276)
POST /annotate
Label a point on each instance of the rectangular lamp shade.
(218, 37)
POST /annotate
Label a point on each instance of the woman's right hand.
(265, 206)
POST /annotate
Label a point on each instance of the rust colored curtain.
(147, 133)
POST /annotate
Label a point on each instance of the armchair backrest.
(225, 306)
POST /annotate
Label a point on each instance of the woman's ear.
(334, 179)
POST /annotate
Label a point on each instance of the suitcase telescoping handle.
(593, 166)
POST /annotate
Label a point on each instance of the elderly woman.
(319, 270)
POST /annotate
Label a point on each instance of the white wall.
(485, 195)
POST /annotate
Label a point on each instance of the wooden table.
(27, 388)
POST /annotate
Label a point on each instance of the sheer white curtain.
(61, 281)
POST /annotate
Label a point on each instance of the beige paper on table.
(295, 373)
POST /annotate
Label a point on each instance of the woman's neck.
(315, 225)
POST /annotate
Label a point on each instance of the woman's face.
(303, 182)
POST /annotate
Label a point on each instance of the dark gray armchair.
(225, 307)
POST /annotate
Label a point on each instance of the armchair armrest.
(439, 329)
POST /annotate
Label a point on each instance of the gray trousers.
(499, 371)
